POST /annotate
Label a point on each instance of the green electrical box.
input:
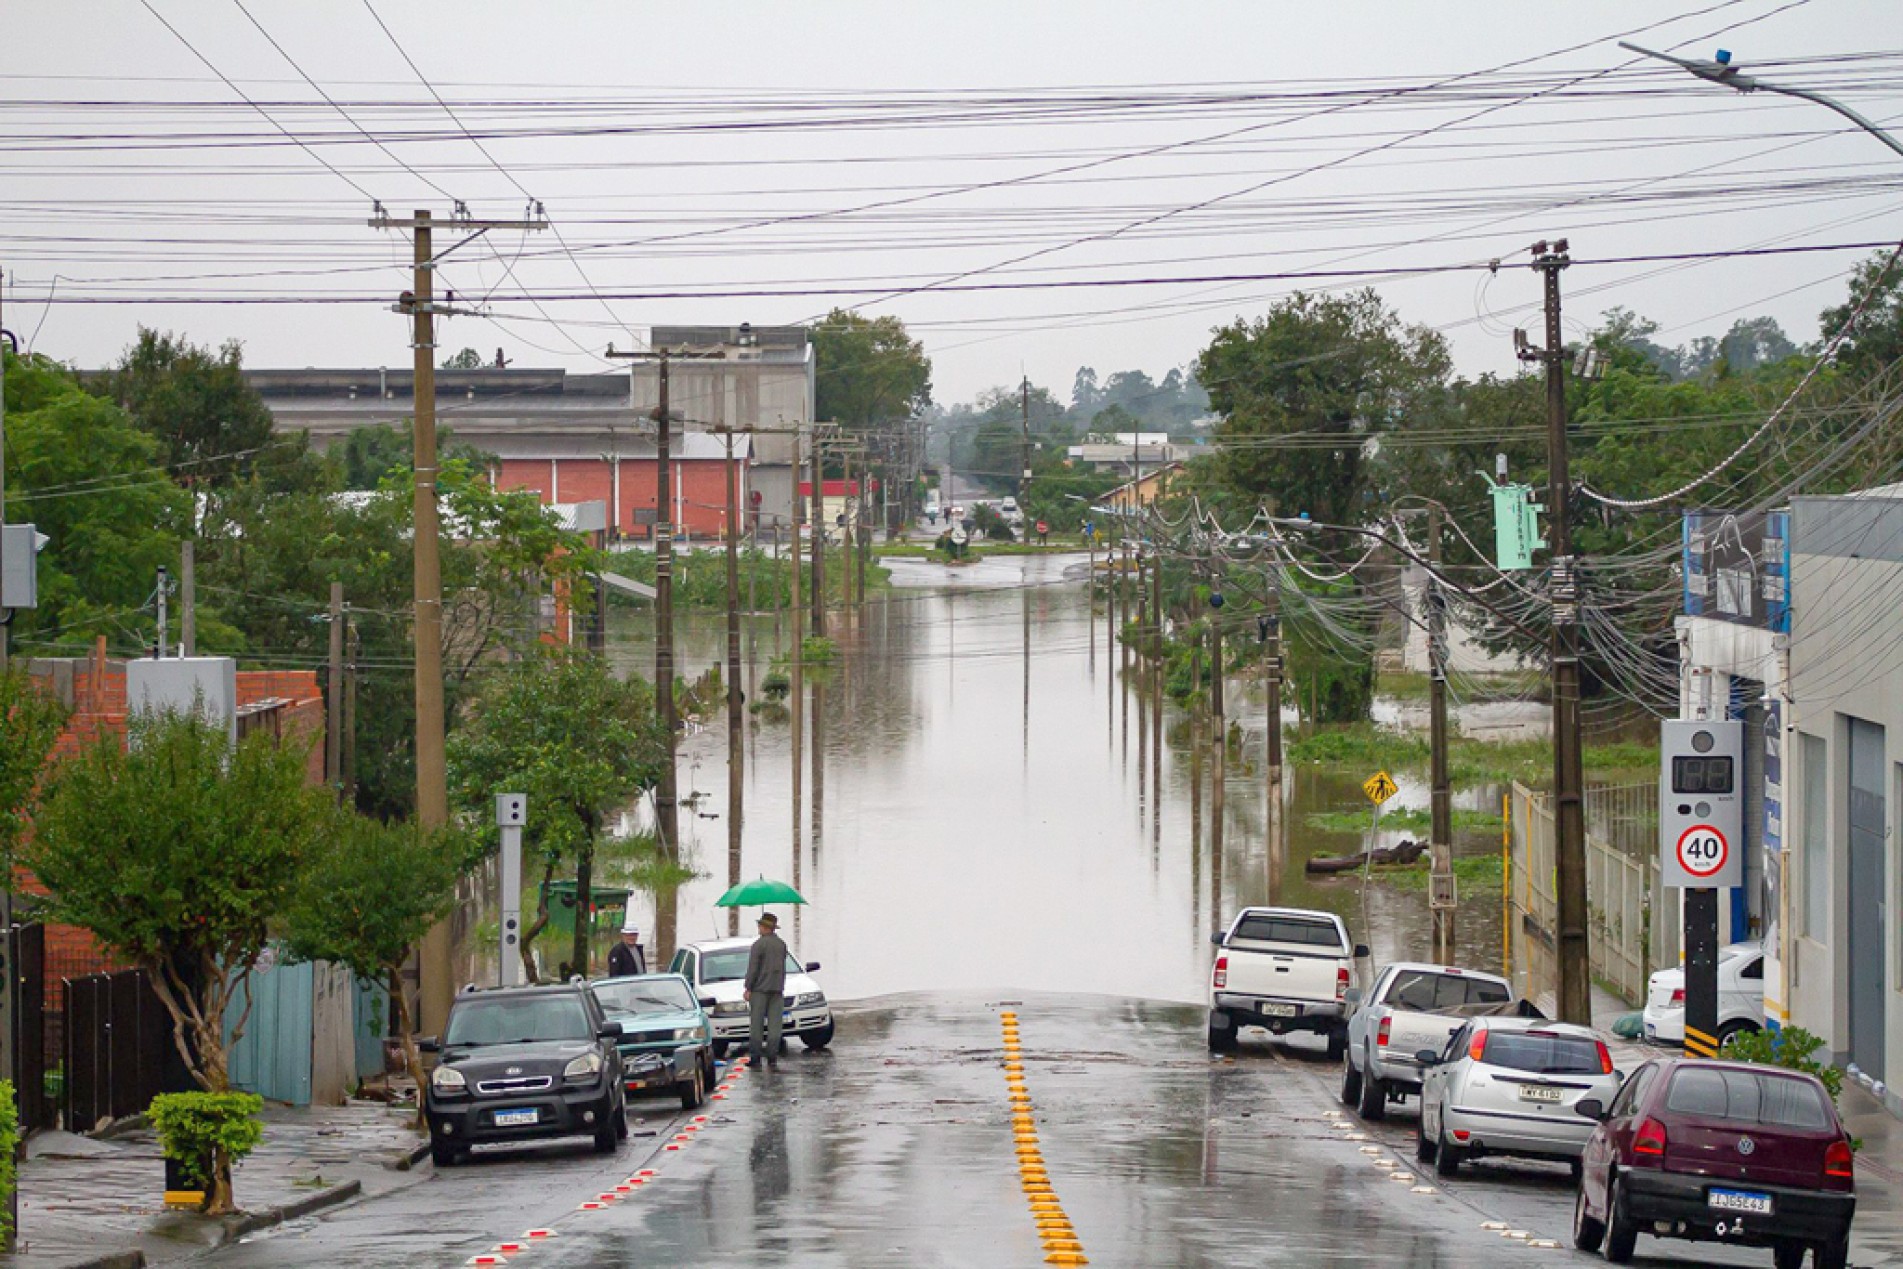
(1516, 526)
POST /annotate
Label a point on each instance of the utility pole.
(1569, 779)
(799, 660)
(1272, 672)
(187, 601)
(1440, 836)
(165, 585)
(352, 649)
(735, 751)
(334, 692)
(432, 780)
(819, 540)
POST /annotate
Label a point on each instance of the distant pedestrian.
(766, 991)
(1043, 533)
(627, 958)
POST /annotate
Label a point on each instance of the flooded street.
(976, 814)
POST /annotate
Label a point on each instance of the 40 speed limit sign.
(1703, 853)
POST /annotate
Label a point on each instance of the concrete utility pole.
(1440, 836)
(1569, 778)
(819, 540)
(799, 659)
(736, 753)
(334, 692)
(432, 779)
(1272, 674)
(187, 601)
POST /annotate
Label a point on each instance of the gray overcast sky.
(1141, 141)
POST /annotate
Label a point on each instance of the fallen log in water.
(1401, 853)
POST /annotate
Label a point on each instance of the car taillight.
(1605, 1059)
(1222, 971)
(1649, 1139)
(1381, 1038)
(1341, 983)
(1837, 1161)
(1678, 995)
(1477, 1047)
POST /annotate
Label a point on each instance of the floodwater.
(985, 803)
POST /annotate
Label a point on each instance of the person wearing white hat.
(627, 958)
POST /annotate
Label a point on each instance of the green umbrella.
(758, 892)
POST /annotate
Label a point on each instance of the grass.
(1512, 685)
(1469, 762)
(1412, 820)
(1473, 874)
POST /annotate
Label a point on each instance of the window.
(519, 1020)
(1754, 972)
(1748, 1097)
(1543, 1053)
(1816, 879)
(1262, 928)
(1634, 1090)
(1427, 991)
(635, 996)
(731, 966)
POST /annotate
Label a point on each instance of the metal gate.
(116, 1037)
(1866, 954)
(24, 947)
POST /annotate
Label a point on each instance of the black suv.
(523, 1064)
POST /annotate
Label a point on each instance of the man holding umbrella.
(766, 991)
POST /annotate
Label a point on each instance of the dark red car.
(1720, 1151)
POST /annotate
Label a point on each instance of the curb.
(110, 1260)
(404, 1161)
(238, 1226)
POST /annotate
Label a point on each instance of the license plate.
(1539, 1093)
(1739, 1201)
(1277, 1011)
(1651, 1033)
(515, 1118)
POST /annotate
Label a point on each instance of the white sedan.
(1508, 1086)
(718, 968)
(1740, 996)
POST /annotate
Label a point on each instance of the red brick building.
(623, 478)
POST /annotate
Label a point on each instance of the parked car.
(1510, 1086)
(1740, 996)
(1286, 969)
(718, 970)
(1718, 1151)
(1411, 1007)
(524, 1064)
(667, 1040)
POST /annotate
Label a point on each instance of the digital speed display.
(1702, 775)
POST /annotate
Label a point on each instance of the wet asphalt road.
(895, 1147)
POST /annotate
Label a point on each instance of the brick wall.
(702, 494)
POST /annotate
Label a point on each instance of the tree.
(212, 426)
(467, 359)
(559, 727)
(176, 850)
(1085, 398)
(370, 455)
(366, 897)
(30, 724)
(868, 371)
(1876, 344)
(91, 481)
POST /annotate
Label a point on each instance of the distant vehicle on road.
(524, 1064)
(1740, 996)
(1008, 508)
(1286, 969)
(1410, 1007)
(1718, 1151)
(1510, 1086)
(718, 969)
(667, 1039)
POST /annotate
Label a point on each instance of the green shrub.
(1790, 1048)
(205, 1133)
(9, 1142)
(776, 685)
(818, 650)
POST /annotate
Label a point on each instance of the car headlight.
(730, 1008)
(583, 1068)
(687, 1033)
(807, 999)
(447, 1079)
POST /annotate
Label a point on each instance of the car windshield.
(1747, 1097)
(1426, 990)
(731, 966)
(1543, 1053)
(632, 997)
(517, 1020)
(1282, 929)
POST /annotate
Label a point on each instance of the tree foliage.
(868, 371)
(30, 724)
(558, 726)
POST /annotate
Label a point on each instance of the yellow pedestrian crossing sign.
(1380, 787)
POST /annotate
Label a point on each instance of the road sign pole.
(1701, 972)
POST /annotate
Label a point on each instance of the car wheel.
(1424, 1150)
(720, 1050)
(1350, 1083)
(444, 1155)
(1373, 1103)
(818, 1039)
(1833, 1253)
(1221, 1039)
(1737, 1026)
(1447, 1155)
(1337, 1046)
(1622, 1236)
(621, 1121)
(1578, 1169)
(1588, 1232)
(693, 1090)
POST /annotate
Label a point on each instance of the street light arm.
(1729, 76)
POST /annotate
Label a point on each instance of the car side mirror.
(1362, 952)
(1352, 996)
(1216, 938)
(1618, 1076)
(609, 1031)
(1590, 1108)
(707, 1002)
(812, 967)
(428, 1044)
(1427, 1057)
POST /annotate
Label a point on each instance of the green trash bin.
(610, 904)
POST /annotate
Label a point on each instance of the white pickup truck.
(1411, 1007)
(1286, 969)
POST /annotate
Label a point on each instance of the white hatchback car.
(718, 968)
(1507, 1086)
(1740, 996)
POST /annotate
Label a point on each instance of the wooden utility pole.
(1569, 778)
(1440, 836)
(735, 751)
(799, 660)
(432, 780)
(334, 692)
(187, 601)
(1272, 674)
(819, 540)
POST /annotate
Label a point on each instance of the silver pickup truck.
(1286, 969)
(1410, 1007)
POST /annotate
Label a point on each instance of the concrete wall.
(1846, 663)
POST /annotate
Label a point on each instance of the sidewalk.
(87, 1202)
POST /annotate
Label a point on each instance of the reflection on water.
(973, 815)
